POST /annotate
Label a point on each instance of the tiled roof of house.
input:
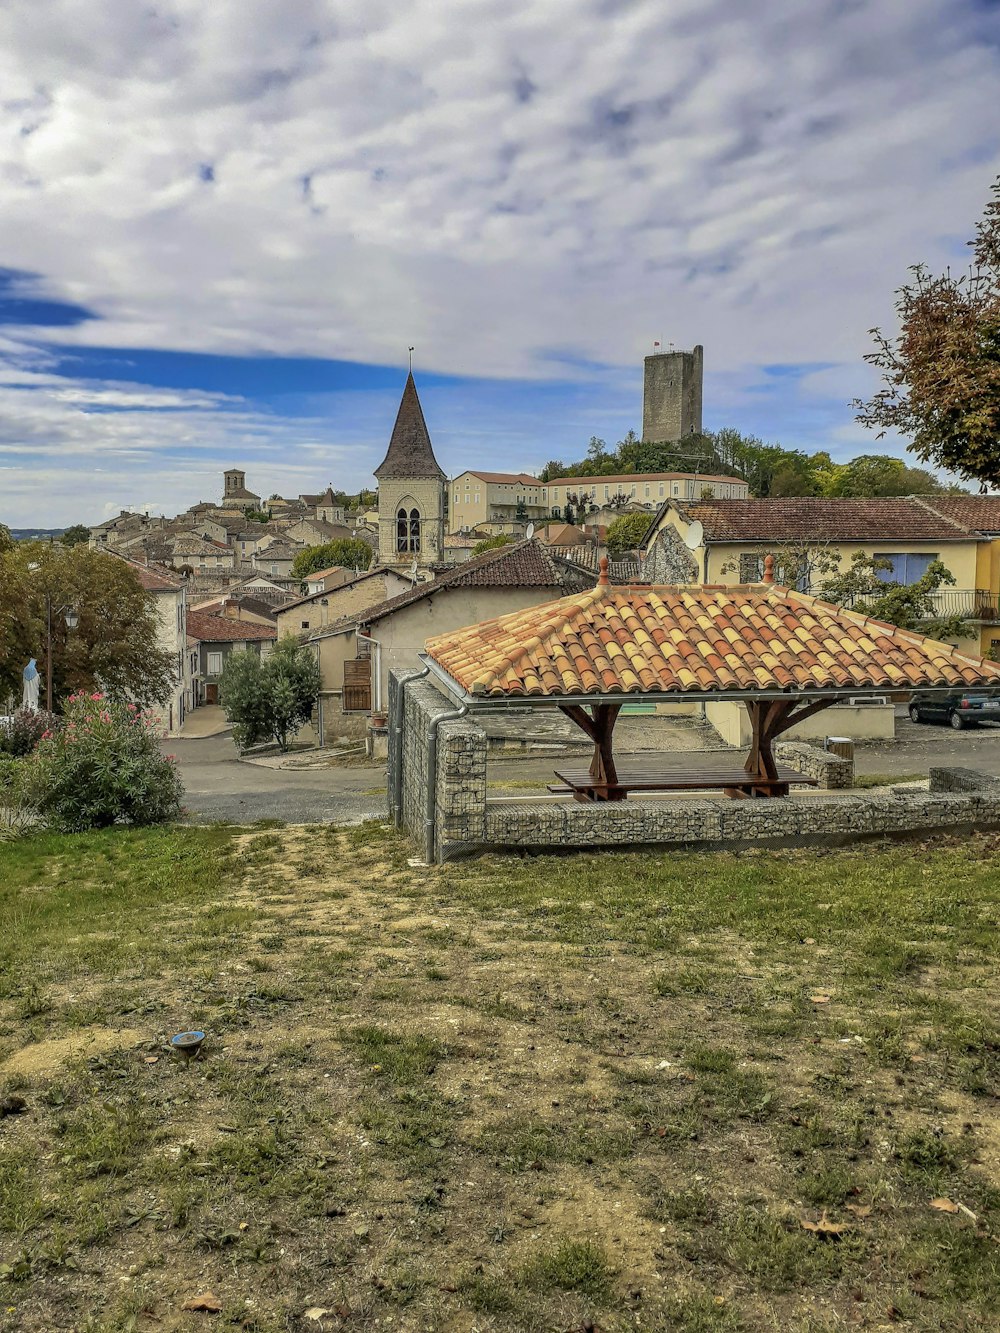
(325, 592)
(205, 627)
(152, 577)
(806, 519)
(410, 453)
(978, 512)
(645, 639)
(501, 478)
(636, 478)
(524, 564)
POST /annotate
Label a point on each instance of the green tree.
(349, 552)
(882, 475)
(114, 646)
(569, 514)
(491, 544)
(626, 532)
(597, 449)
(941, 373)
(553, 470)
(270, 698)
(73, 536)
(6, 540)
(257, 515)
(862, 588)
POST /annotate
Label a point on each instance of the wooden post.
(599, 725)
(768, 720)
(841, 746)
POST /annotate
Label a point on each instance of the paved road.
(218, 786)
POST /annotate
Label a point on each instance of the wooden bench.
(703, 774)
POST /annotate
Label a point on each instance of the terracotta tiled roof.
(410, 453)
(693, 639)
(207, 628)
(521, 565)
(502, 478)
(979, 512)
(897, 519)
(636, 478)
(152, 578)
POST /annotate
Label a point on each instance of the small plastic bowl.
(187, 1043)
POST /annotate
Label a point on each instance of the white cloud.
(491, 182)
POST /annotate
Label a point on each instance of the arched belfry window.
(408, 531)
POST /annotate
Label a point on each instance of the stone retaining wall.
(962, 779)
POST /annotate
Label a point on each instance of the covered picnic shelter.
(783, 653)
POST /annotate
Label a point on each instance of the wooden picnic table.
(698, 773)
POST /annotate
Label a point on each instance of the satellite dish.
(529, 532)
(694, 536)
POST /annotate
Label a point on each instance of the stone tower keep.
(671, 395)
(410, 490)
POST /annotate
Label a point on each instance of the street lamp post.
(72, 620)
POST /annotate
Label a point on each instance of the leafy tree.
(270, 698)
(882, 475)
(941, 373)
(908, 605)
(491, 544)
(569, 514)
(257, 515)
(553, 470)
(597, 449)
(6, 540)
(114, 646)
(349, 552)
(521, 512)
(73, 536)
(626, 533)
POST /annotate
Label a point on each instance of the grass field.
(617, 1092)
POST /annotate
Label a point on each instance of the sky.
(223, 225)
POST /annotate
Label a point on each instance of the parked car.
(958, 710)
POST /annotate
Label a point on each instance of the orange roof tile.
(646, 639)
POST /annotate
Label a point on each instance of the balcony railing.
(970, 603)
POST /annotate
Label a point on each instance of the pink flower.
(97, 696)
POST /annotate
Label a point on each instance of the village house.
(357, 651)
(725, 541)
(321, 608)
(215, 637)
(170, 594)
(276, 558)
(478, 497)
(322, 580)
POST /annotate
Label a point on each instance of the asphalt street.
(219, 787)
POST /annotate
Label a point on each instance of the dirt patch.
(44, 1059)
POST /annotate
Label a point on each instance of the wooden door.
(358, 685)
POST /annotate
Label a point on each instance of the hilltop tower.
(410, 490)
(671, 395)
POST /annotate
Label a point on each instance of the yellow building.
(644, 488)
(724, 541)
(490, 497)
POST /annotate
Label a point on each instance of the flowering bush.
(25, 729)
(102, 767)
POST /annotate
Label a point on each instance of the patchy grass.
(514, 1094)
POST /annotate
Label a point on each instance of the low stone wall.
(962, 779)
(704, 825)
(831, 771)
(465, 822)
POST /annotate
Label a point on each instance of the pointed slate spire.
(410, 452)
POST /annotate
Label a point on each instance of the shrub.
(103, 767)
(21, 734)
(626, 532)
(270, 698)
(17, 813)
